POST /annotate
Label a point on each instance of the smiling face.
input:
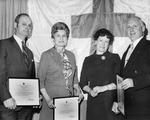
(135, 29)
(60, 38)
(23, 27)
(102, 44)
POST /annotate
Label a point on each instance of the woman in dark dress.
(98, 78)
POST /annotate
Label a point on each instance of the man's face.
(134, 29)
(24, 27)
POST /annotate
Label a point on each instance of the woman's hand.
(93, 93)
(99, 89)
(81, 97)
(50, 103)
(90, 91)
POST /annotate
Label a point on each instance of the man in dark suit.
(136, 72)
(14, 63)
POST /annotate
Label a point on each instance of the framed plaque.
(24, 91)
(120, 95)
(67, 108)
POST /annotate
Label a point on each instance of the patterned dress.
(57, 75)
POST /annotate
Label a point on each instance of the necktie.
(129, 53)
(25, 53)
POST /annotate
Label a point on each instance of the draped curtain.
(82, 17)
(8, 11)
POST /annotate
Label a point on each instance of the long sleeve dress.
(99, 70)
(52, 78)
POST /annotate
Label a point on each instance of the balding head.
(135, 28)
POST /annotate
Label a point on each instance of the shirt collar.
(18, 41)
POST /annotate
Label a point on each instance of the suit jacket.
(12, 64)
(137, 98)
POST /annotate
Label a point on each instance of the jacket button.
(135, 71)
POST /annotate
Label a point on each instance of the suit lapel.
(18, 49)
(16, 45)
(124, 56)
(138, 49)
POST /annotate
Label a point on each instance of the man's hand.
(10, 103)
(127, 83)
(115, 108)
(50, 103)
(81, 97)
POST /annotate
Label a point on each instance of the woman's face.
(102, 44)
(60, 38)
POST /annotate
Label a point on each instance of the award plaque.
(120, 95)
(67, 108)
(24, 91)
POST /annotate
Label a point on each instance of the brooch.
(103, 57)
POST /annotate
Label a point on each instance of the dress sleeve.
(42, 69)
(75, 72)
(117, 71)
(117, 64)
(83, 78)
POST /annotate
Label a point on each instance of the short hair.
(60, 26)
(19, 16)
(103, 32)
(141, 22)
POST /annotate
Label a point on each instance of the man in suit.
(136, 72)
(13, 63)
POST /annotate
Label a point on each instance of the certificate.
(67, 108)
(24, 91)
(120, 95)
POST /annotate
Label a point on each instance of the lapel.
(18, 49)
(138, 49)
(124, 56)
(15, 44)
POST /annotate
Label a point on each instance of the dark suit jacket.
(12, 64)
(137, 99)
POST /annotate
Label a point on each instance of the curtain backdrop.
(8, 11)
(83, 17)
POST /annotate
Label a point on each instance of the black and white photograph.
(96, 51)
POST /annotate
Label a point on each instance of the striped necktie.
(25, 53)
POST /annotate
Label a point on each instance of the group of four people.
(57, 72)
